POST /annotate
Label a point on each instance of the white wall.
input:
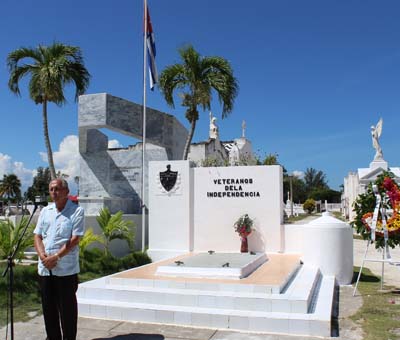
(214, 217)
(170, 213)
(199, 213)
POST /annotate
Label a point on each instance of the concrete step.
(295, 300)
(315, 322)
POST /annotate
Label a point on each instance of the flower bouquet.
(364, 207)
(243, 226)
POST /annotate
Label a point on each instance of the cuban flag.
(151, 52)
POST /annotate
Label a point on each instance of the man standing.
(57, 233)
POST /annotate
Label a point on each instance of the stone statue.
(243, 129)
(213, 127)
(234, 155)
(376, 132)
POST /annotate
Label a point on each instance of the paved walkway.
(94, 329)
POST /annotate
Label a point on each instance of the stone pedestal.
(378, 163)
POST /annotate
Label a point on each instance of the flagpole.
(144, 126)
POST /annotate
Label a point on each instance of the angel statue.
(376, 132)
(214, 133)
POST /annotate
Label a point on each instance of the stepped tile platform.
(280, 296)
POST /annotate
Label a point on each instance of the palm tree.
(50, 68)
(10, 185)
(114, 227)
(197, 76)
(40, 185)
(314, 179)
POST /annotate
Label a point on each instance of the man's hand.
(50, 261)
(42, 256)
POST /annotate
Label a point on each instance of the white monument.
(283, 283)
(356, 182)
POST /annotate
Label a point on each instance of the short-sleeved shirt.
(56, 228)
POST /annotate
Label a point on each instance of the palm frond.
(10, 234)
(199, 77)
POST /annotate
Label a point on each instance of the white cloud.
(8, 167)
(5, 164)
(24, 174)
(298, 173)
(114, 143)
(66, 159)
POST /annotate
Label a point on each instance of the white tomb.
(192, 211)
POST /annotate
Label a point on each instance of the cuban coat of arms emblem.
(169, 180)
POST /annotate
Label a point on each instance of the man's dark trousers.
(59, 306)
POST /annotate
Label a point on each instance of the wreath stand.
(386, 258)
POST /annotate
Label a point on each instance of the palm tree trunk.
(189, 139)
(47, 142)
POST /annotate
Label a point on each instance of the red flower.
(394, 196)
(388, 184)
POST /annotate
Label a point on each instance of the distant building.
(214, 151)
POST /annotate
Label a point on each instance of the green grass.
(379, 315)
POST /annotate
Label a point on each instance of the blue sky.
(313, 75)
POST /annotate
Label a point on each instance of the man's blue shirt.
(56, 228)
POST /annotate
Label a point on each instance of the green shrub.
(129, 261)
(142, 258)
(115, 228)
(309, 205)
(97, 262)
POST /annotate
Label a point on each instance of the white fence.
(320, 207)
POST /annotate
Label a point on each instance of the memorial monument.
(356, 182)
(112, 177)
(201, 275)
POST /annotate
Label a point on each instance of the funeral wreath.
(378, 211)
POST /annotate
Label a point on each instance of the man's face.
(57, 191)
